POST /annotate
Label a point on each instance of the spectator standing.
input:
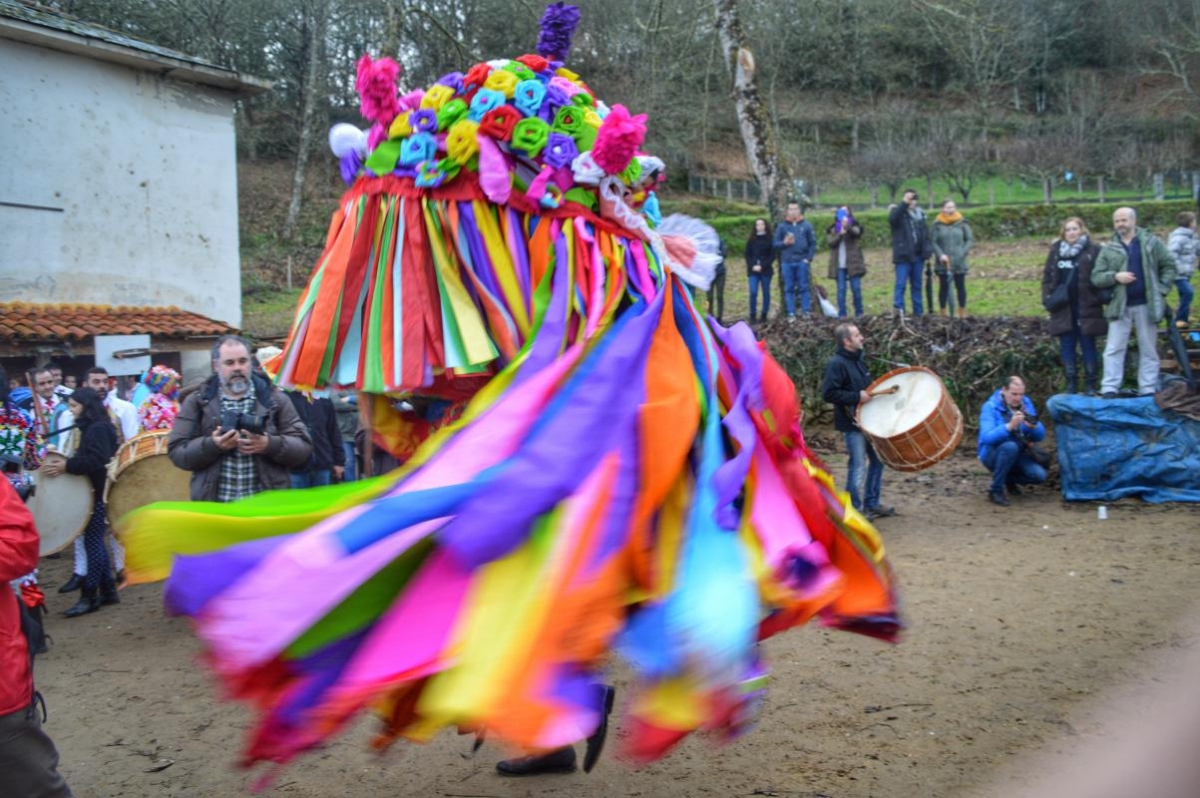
(346, 406)
(846, 262)
(327, 462)
(952, 241)
(1184, 246)
(1142, 270)
(910, 249)
(796, 244)
(760, 260)
(1076, 312)
(231, 463)
(716, 290)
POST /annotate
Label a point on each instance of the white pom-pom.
(345, 138)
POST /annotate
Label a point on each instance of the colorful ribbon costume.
(624, 476)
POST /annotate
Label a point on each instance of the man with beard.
(238, 434)
(123, 414)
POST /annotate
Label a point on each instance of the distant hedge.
(1003, 221)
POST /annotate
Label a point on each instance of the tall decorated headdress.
(617, 474)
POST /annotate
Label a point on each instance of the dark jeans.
(351, 472)
(1184, 285)
(312, 479)
(864, 473)
(716, 293)
(855, 289)
(909, 274)
(1010, 465)
(795, 280)
(759, 282)
(1086, 344)
(28, 759)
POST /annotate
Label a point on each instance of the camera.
(232, 419)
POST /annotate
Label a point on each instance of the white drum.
(912, 421)
(61, 507)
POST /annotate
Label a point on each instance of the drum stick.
(885, 391)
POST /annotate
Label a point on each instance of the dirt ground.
(1022, 622)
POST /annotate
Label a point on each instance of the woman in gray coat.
(952, 241)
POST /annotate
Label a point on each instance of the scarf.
(1069, 253)
(844, 221)
(951, 218)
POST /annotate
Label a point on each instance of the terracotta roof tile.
(22, 321)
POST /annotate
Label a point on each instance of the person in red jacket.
(28, 759)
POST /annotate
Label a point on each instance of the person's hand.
(946, 260)
(789, 239)
(756, 268)
(252, 444)
(864, 397)
(1018, 418)
(226, 441)
(53, 468)
(1125, 278)
(338, 471)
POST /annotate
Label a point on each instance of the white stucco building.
(118, 170)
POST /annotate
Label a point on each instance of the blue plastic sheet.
(1109, 449)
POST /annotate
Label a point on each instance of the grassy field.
(1005, 280)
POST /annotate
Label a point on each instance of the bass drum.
(61, 507)
(140, 474)
(912, 422)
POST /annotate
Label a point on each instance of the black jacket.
(320, 417)
(759, 249)
(846, 377)
(97, 445)
(910, 237)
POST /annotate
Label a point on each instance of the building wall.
(117, 186)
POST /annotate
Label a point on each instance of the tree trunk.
(762, 151)
(1100, 187)
(1047, 191)
(314, 45)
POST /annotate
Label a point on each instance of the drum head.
(147, 480)
(61, 507)
(917, 397)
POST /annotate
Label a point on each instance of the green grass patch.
(267, 314)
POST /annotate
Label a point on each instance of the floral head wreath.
(528, 131)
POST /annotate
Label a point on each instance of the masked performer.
(622, 476)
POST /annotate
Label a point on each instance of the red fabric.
(18, 556)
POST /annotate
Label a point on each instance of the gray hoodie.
(1184, 245)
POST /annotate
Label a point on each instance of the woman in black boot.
(1076, 312)
(97, 445)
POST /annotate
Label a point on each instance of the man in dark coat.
(845, 387)
(238, 434)
(327, 463)
(910, 249)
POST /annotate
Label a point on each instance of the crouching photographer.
(238, 434)
(1008, 428)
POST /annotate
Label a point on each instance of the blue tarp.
(1109, 449)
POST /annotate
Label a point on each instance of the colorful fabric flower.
(520, 70)
(452, 79)
(529, 136)
(424, 121)
(376, 87)
(568, 120)
(428, 175)
(416, 148)
(401, 128)
(555, 98)
(461, 144)
(528, 96)
(560, 150)
(475, 77)
(158, 412)
(502, 81)
(499, 122)
(535, 62)
(450, 113)
(484, 101)
(437, 96)
(618, 140)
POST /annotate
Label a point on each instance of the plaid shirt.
(239, 472)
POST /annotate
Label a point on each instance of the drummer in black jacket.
(845, 387)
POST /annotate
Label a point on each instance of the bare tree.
(313, 22)
(758, 137)
(1174, 43)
